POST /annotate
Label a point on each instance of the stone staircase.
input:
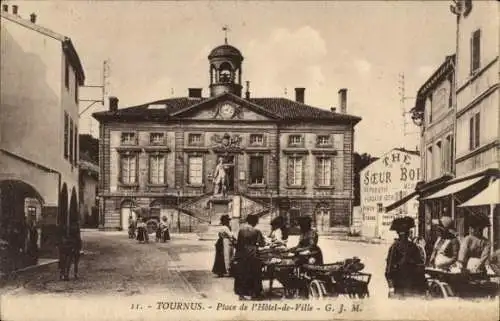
(247, 206)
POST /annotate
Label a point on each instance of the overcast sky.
(157, 48)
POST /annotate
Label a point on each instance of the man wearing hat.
(445, 252)
(475, 248)
(404, 272)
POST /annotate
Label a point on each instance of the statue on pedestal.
(220, 178)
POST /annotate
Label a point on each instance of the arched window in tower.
(213, 74)
(225, 73)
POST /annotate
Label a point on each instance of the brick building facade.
(281, 157)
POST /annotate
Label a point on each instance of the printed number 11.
(135, 306)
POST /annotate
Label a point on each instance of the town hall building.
(195, 158)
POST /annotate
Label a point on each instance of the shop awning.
(487, 197)
(401, 201)
(454, 188)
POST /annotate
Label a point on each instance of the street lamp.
(417, 116)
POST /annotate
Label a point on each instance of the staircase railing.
(266, 208)
(192, 214)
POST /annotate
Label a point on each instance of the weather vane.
(225, 29)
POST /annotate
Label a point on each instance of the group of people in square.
(406, 263)
(237, 255)
(138, 229)
(407, 260)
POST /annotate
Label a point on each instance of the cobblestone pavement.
(112, 264)
(195, 259)
(118, 273)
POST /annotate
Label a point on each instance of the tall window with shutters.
(451, 157)
(66, 135)
(428, 164)
(195, 170)
(257, 170)
(475, 51)
(128, 169)
(75, 146)
(295, 170)
(323, 171)
(474, 131)
(71, 142)
(438, 159)
(157, 169)
(76, 91)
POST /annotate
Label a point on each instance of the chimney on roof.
(195, 92)
(299, 95)
(14, 9)
(33, 18)
(247, 93)
(5, 8)
(113, 103)
(343, 100)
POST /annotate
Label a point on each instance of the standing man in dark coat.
(248, 268)
(405, 270)
(69, 251)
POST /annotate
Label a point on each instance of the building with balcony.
(40, 76)
(200, 157)
(460, 160)
(478, 109)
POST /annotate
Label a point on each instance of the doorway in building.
(127, 211)
(322, 219)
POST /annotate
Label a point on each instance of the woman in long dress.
(248, 273)
(142, 232)
(224, 248)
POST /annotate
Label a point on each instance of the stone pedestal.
(219, 206)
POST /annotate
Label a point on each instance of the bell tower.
(225, 69)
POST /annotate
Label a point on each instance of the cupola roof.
(225, 51)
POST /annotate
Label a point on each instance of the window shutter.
(302, 171)
(452, 156)
(330, 171)
(164, 170)
(477, 47)
(338, 168)
(471, 133)
(477, 130)
(260, 166)
(472, 53)
(120, 168)
(475, 50)
(136, 168)
(76, 146)
(317, 171)
(290, 171)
